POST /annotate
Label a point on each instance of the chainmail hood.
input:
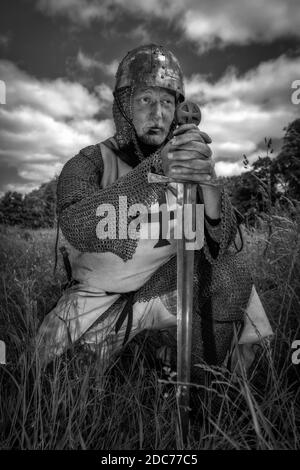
(143, 65)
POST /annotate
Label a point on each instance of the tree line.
(33, 210)
(269, 181)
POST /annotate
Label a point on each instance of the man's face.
(153, 113)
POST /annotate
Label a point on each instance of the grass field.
(69, 405)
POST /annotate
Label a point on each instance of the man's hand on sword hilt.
(187, 157)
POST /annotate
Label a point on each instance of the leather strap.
(127, 312)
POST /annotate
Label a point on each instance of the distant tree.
(266, 186)
(34, 210)
(255, 191)
(287, 163)
(12, 208)
(243, 192)
(40, 206)
(50, 203)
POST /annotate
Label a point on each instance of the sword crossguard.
(154, 178)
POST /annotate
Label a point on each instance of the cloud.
(78, 11)
(240, 22)
(43, 124)
(4, 40)
(85, 11)
(208, 23)
(240, 111)
(269, 83)
(228, 169)
(105, 93)
(57, 98)
(141, 34)
(87, 62)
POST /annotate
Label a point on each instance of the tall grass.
(72, 405)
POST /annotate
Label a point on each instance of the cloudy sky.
(58, 59)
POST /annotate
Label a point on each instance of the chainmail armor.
(227, 230)
(78, 197)
(124, 130)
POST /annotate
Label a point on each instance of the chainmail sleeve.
(79, 195)
(219, 238)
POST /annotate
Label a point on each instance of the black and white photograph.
(149, 228)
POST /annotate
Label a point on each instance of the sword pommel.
(188, 112)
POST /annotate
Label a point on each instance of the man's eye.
(167, 101)
(145, 99)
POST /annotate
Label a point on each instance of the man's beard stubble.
(148, 148)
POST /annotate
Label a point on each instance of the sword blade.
(186, 194)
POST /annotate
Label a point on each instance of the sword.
(186, 112)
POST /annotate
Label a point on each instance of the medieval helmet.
(150, 65)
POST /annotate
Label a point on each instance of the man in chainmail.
(124, 284)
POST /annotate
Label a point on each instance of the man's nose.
(156, 109)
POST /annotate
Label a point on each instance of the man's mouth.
(155, 130)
